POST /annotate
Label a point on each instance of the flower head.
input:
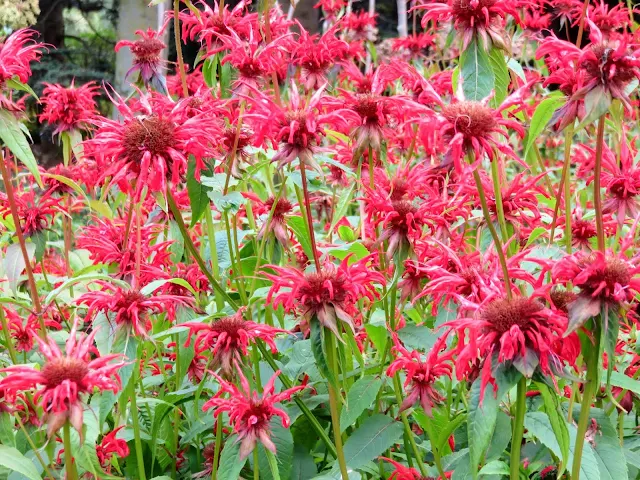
(249, 413)
(64, 377)
(70, 108)
(228, 338)
(330, 294)
(17, 51)
(147, 58)
(422, 374)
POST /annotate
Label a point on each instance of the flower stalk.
(333, 403)
(597, 177)
(518, 428)
(69, 461)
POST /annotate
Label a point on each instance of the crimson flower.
(403, 472)
(36, 213)
(330, 295)
(152, 147)
(483, 19)
(278, 226)
(147, 58)
(211, 24)
(110, 446)
(606, 282)
(250, 414)
(228, 338)
(518, 330)
(621, 178)
(470, 127)
(421, 375)
(316, 55)
(64, 377)
(17, 51)
(131, 307)
(70, 108)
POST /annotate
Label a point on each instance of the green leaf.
(16, 84)
(557, 422)
(16, 141)
(418, 337)
(596, 104)
(177, 242)
(346, 233)
(376, 434)
(299, 227)
(589, 469)
(7, 429)
(535, 234)
(230, 462)
(230, 203)
(516, 68)
(619, 379)
(608, 452)
(501, 74)
(16, 462)
(495, 467)
(538, 425)
(209, 71)
(478, 79)
(343, 206)
(83, 278)
(68, 182)
(151, 287)
(14, 264)
(378, 336)
(198, 193)
(317, 347)
(283, 441)
(483, 413)
(611, 324)
(361, 396)
(540, 119)
(303, 466)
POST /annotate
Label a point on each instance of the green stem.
(175, 211)
(590, 385)
(407, 428)
(69, 461)
(213, 252)
(567, 189)
(176, 30)
(256, 472)
(34, 448)
(494, 233)
(266, 355)
(518, 428)
(495, 176)
(597, 194)
(307, 205)
(136, 423)
(333, 404)
(7, 336)
(435, 450)
(216, 449)
(273, 465)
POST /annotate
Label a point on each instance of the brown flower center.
(505, 313)
(148, 49)
(153, 134)
(62, 369)
(471, 119)
(316, 292)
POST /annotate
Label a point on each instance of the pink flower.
(250, 414)
(64, 378)
(228, 339)
(17, 51)
(147, 58)
(421, 375)
(69, 108)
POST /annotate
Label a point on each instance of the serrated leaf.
(540, 119)
(478, 79)
(230, 463)
(15, 140)
(14, 264)
(483, 414)
(495, 467)
(303, 465)
(501, 75)
(376, 434)
(198, 193)
(343, 206)
(16, 84)
(557, 422)
(317, 347)
(589, 469)
(418, 337)
(16, 462)
(361, 396)
(230, 203)
(608, 452)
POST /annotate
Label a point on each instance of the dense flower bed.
(318, 256)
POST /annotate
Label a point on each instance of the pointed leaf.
(16, 462)
(375, 435)
(230, 463)
(198, 193)
(540, 119)
(15, 140)
(361, 396)
(478, 79)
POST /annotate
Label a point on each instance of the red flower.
(147, 58)
(64, 377)
(520, 330)
(69, 108)
(278, 226)
(210, 25)
(470, 127)
(110, 446)
(421, 375)
(228, 339)
(606, 282)
(250, 414)
(36, 214)
(330, 294)
(131, 308)
(153, 147)
(474, 18)
(17, 51)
